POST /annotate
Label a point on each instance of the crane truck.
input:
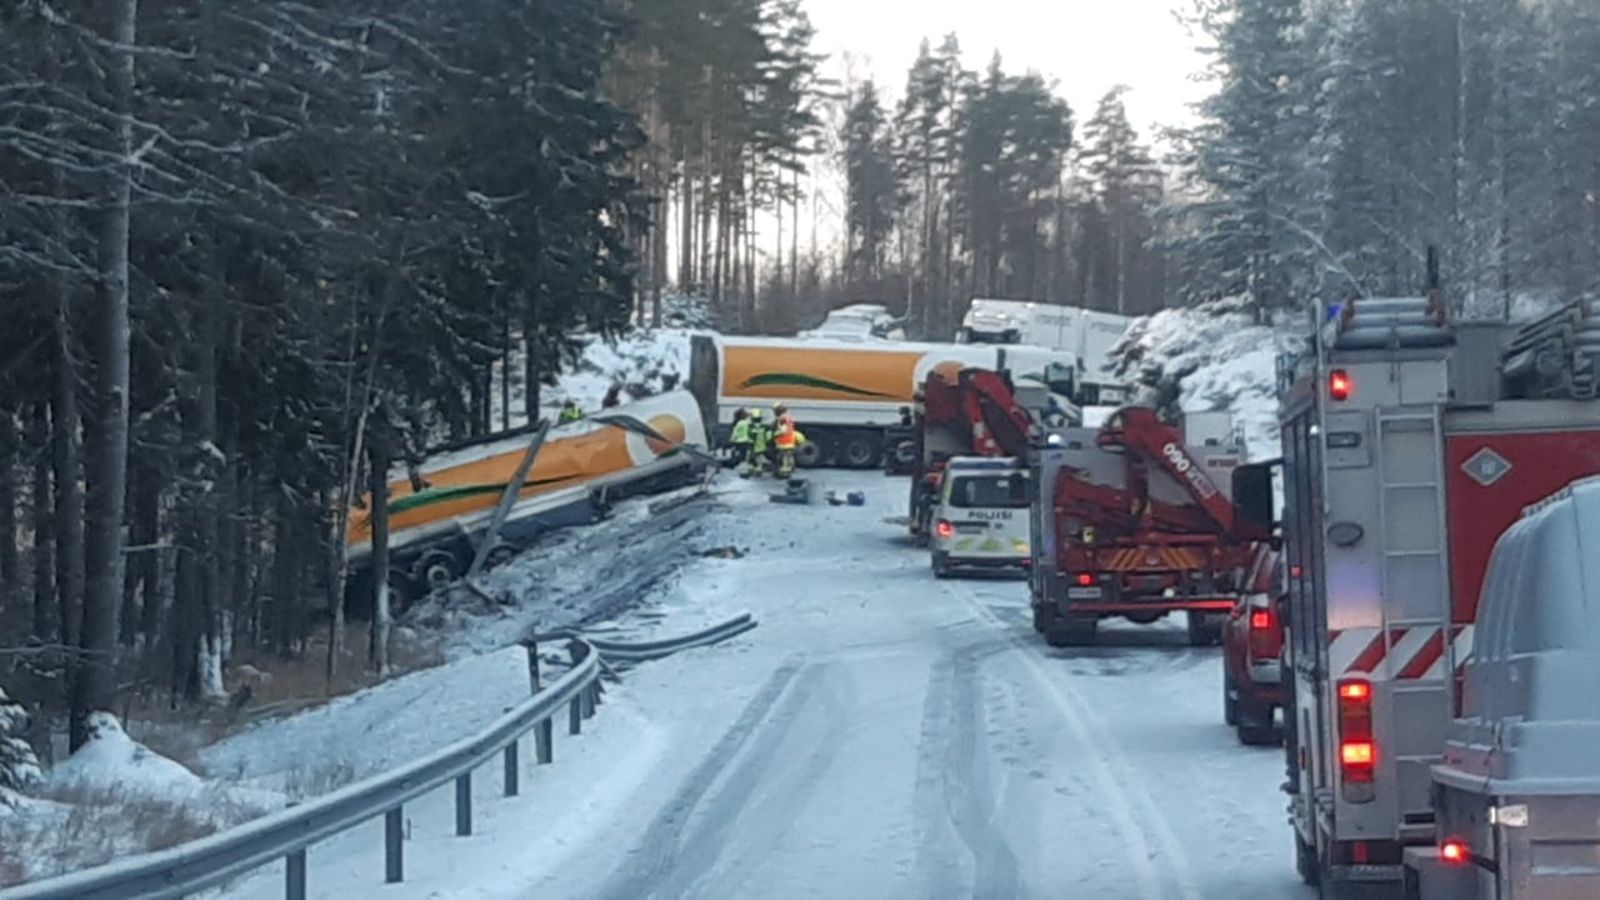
(1411, 445)
(963, 413)
(1141, 519)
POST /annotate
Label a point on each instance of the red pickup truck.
(1252, 645)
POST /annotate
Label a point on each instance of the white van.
(981, 520)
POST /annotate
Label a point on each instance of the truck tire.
(1073, 631)
(813, 452)
(1305, 861)
(1230, 701)
(438, 568)
(1043, 618)
(859, 450)
(1205, 630)
(1255, 725)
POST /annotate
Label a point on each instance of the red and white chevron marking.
(1407, 654)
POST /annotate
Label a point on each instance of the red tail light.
(1085, 579)
(1455, 852)
(945, 529)
(1358, 751)
(1260, 620)
(1357, 754)
(1340, 385)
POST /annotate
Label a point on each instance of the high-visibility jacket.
(760, 436)
(783, 437)
(570, 414)
(741, 432)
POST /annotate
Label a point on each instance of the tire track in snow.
(956, 798)
(775, 779)
(685, 840)
(935, 862)
(1127, 802)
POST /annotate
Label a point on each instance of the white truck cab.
(981, 519)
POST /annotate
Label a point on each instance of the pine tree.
(19, 767)
(1127, 188)
(873, 193)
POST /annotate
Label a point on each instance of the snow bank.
(1209, 358)
(369, 732)
(643, 363)
(116, 797)
(112, 759)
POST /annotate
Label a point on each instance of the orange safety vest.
(783, 439)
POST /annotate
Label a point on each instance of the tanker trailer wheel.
(859, 450)
(438, 568)
(810, 454)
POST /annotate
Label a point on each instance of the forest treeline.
(245, 248)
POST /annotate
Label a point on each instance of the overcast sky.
(1087, 45)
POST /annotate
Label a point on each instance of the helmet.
(755, 414)
(779, 408)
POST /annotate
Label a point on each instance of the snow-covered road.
(882, 734)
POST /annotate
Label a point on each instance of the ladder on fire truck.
(1415, 633)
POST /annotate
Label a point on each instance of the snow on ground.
(115, 797)
(1213, 357)
(881, 734)
(643, 362)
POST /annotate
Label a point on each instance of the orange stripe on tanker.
(474, 486)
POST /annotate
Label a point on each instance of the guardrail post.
(510, 776)
(464, 805)
(393, 849)
(543, 741)
(587, 696)
(533, 665)
(294, 875)
(575, 715)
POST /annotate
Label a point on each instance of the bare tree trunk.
(10, 576)
(96, 686)
(505, 372)
(44, 536)
(530, 376)
(64, 433)
(378, 485)
(794, 241)
(148, 563)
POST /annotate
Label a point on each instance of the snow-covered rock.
(1212, 357)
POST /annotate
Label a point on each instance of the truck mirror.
(1252, 497)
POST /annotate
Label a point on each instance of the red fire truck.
(1410, 445)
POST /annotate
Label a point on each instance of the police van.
(981, 520)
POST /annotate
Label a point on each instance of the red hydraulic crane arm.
(999, 424)
(1138, 430)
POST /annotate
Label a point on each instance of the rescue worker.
(785, 439)
(740, 439)
(756, 463)
(570, 412)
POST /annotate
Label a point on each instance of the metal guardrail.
(649, 650)
(286, 834)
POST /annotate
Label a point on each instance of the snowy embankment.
(117, 797)
(640, 364)
(1212, 357)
